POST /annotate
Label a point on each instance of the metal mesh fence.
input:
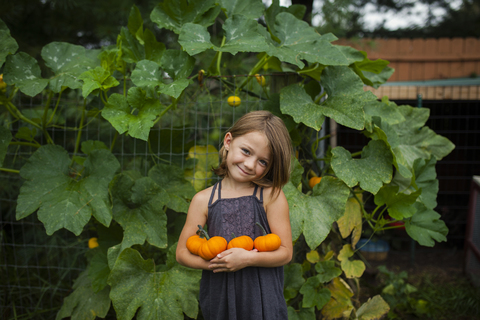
(37, 270)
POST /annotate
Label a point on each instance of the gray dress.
(252, 293)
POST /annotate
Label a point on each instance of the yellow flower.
(93, 243)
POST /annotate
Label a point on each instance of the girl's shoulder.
(270, 197)
(203, 195)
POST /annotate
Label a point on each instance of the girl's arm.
(197, 215)
(279, 220)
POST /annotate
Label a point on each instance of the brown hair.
(278, 171)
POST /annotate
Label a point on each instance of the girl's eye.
(246, 151)
(263, 163)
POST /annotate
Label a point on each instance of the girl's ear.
(227, 141)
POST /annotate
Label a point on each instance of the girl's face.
(248, 156)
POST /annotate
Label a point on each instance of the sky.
(393, 20)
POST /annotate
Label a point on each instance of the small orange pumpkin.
(213, 246)
(244, 242)
(267, 242)
(314, 181)
(194, 243)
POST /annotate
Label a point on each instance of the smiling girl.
(255, 165)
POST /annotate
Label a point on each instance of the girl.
(255, 164)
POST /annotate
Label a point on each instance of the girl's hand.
(231, 260)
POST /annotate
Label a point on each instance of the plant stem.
(252, 72)
(356, 154)
(19, 115)
(320, 97)
(79, 134)
(10, 170)
(219, 57)
(204, 232)
(56, 107)
(45, 110)
(263, 229)
(113, 141)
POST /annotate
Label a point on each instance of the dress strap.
(213, 192)
(255, 191)
(261, 194)
(219, 189)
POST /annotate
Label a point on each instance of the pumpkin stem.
(202, 231)
(233, 235)
(263, 229)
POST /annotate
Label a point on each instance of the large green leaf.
(171, 178)
(98, 270)
(399, 205)
(138, 206)
(134, 114)
(5, 138)
(252, 9)
(370, 172)
(296, 102)
(419, 140)
(83, 303)
(340, 305)
(313, 215)
(345, 97)
(68, 62)
(275, 8)
(426, 227)
(9, 45)
(314, 293)
(242, 35)
(64, 202)
(173, 14)
(132, 50)
(372, 73)
(300, 41)
(138, 290)
(178, 64)
(23, 71)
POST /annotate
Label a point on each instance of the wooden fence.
(424, 59)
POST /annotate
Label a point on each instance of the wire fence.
(37, 271)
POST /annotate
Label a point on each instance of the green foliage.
(137, 84)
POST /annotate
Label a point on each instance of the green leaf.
(297, 10)
(137, 290)
(399, 205)
(351, 54)
(97, 78)
(134, 114)
(295, 102)
(297, 172)
(153, 49)
(371, 72)
(375, 80)
(90, 145)
(68, 62)
(346, 97)
(23, 71)
(135, 21)
(147, 74)
(293, 280)
(132, 50)
(302, 314)
(352, 268)
(327, 271)
(174, 14)
(313, 215)
(370, 172)
(138, 206)
(178, 64)
(252, 9)
(206, 158)
(425, 226)
(9, 45)
(242, 35)
(314, 293)
(194, 39)
(374, 308)
(171, 178)
(83, 303)
(26, 133)
(310, 46)
(5, 138)
(64, 202)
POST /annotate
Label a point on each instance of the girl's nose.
(249, 163)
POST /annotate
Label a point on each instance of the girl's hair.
(278, 169)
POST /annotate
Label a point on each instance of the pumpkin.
(213, 246)
(194, 243)
(314, 181)
(267, 242)
(244, 242)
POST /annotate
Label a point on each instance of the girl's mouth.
(243, 171)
